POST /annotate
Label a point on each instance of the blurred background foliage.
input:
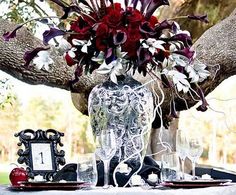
(218, 124)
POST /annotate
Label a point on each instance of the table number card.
(41, 156)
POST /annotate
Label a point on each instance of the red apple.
(18, 175)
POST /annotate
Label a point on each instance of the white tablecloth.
(226, 190)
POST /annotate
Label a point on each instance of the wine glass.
(195, 149)
(105, 150)
(181, 148)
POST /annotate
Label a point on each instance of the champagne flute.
(181, 148)
(195, 149)
(105, 150)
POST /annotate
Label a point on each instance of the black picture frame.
(40, 153)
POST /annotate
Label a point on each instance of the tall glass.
(169, 166)
(181, 148)
(195, 149)
(87, 169)
(105, 150)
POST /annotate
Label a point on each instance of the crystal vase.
(127, 108)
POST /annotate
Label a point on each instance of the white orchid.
(43, 60)
(179, 79)
(83, 43)
(100, 58)
(64, 46)
(152, 45)
(197, 72)
(115, 68)
(71, 52)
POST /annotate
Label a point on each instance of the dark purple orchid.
(10, 35)
(153, 5)
(134, 2)
(30, 55)
(147, 29)
(187, 52)
(50, 34)
(144, 4)
(163, 25)
(186, 39)
(67, 8)
(119, 38)
(203, 106)
(202, 18)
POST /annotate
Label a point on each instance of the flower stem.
(177, 17)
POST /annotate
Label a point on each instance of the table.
(226, 190)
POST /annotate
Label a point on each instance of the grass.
(4, 178)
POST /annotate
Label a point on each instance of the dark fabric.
(149, 166)
(68, 173)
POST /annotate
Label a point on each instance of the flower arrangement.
(116, 37)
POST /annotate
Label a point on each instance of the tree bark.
(215, 47)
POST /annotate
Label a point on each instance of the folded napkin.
(67, 173)
(149, 166)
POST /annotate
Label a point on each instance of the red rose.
(115, 6)
(134, 17)
(102, 31)
(69, 60)
(82, 29)
(153, 21)
(113, 19)
(132, 43)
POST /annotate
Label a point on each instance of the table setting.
(91, 175)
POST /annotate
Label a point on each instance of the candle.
(152, 177)
(136, 180)
(123, 168)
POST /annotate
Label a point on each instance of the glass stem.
(193, 167)
(106, 173)
(182, 167)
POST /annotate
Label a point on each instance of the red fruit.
(18, 175)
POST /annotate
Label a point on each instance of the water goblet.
(195, 149)
(87, 169)
(181, 148)
(105, 150)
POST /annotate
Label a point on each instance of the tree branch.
(215, 47)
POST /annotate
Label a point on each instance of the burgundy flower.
(50, 34)
(203, 106)
(102, 30)
(30, 55)
(119, 38)
(187, 52)
(153, 21)
(134, 17)
(202, 18)
(10, 35)
(153, 5)
(132, 43)
(69, 60)
(147, 29)
(186, 39)
(113, 19)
